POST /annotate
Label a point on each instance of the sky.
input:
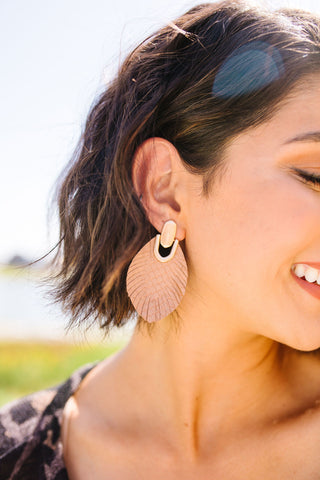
(55, 56)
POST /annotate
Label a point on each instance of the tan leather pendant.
(156, 287)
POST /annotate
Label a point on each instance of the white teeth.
(299, 270)
(309, 273)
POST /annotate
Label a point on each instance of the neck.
(203, 381)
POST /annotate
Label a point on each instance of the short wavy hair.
(199, 81)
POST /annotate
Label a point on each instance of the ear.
(158, 175)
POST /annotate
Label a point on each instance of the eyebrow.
(305, 137)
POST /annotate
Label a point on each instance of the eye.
(308, 178)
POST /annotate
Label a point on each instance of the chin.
(315, 349)
(305, 344)
(301, 333)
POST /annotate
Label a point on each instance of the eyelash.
(308, 177)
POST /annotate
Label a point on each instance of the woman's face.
(259, 221)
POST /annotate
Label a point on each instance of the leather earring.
(156, 278)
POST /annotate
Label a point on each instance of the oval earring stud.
(166, 240)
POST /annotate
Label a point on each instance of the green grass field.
(28, 367)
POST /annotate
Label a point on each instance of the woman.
(210, 134)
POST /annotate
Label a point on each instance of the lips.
(312, 288)
(312, 264)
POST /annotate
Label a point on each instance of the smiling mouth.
(310, 272)
(310, 283)
(313, 288)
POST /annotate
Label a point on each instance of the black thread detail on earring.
(164, 251)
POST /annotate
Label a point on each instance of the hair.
(199, 81)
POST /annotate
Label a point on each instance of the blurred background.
(55, 57)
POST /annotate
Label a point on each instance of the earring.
(157, 282)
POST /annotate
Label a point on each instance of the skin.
(227, 393)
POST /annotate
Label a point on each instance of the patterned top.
(30, 444)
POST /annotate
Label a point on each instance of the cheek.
(253, 233)
(241, 246)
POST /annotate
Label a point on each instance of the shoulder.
(30, 428)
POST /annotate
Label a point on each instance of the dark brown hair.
(199, 81)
